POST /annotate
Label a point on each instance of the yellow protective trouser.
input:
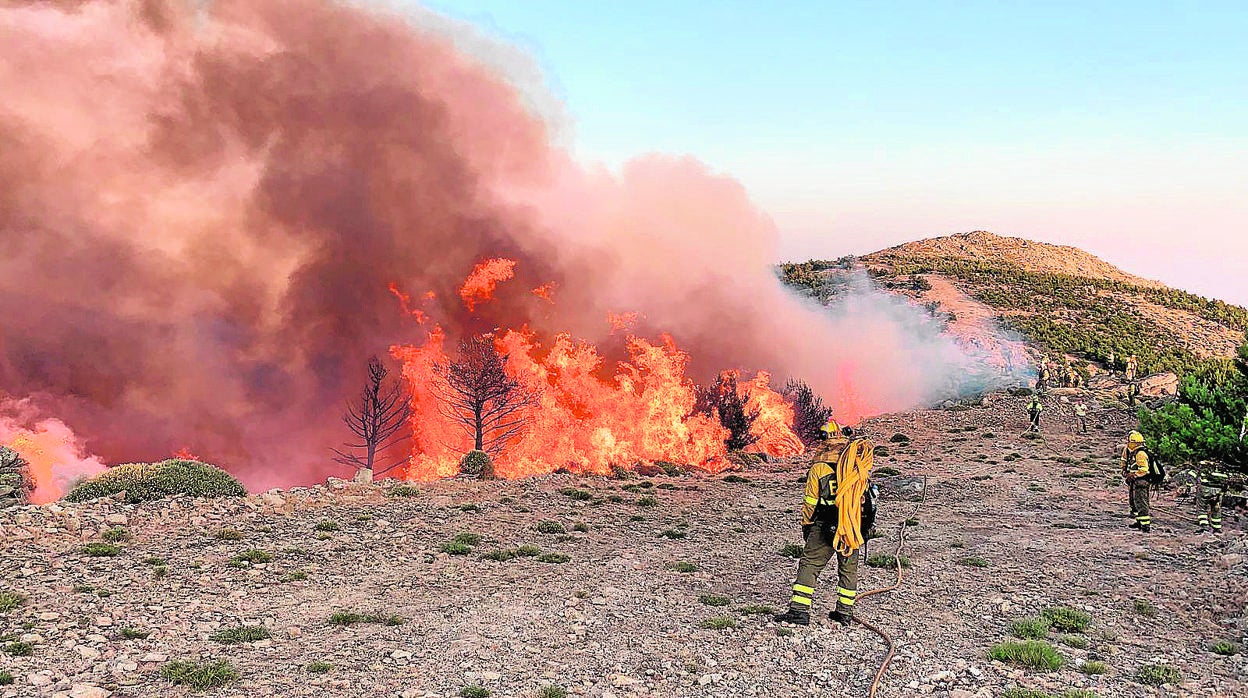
(1211, 508)
(1139, 501)
(815, 557)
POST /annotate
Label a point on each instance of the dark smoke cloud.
(202, 206)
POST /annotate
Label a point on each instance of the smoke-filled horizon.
(203, 209)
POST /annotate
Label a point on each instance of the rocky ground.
(654, 587)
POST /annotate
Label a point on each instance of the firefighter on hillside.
(823, 527)
(1034, 408)
(1133, 367)
(1081, 414)
(1214, 482)
(1137, 469)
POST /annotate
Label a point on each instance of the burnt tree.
(476, 393)
(725, 401)
(809, 412)
(375, 419)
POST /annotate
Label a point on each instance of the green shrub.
(647, 501)
(1225, 648)
(1030, 628)
(553, 558)
(296, 576)
(550, 527)
(252, 557)
(16, 483)
(1145, 608)
(134, 634)
(10, 600)
(500, 555)
(1032, 653)
(718, 623)
(319, 667)
(552, 692)
(881, 560)
(1079, 642)
(1067, 620)
(199, 675)
(738, 478)
(528, 551)
(758, 610)
(327, 526)
(1158, 674)
(474, 692)
(403, 491)
(240, 635)
(6, 679)
(467, 538)
(453, 548)
(116, 535)
(581, 527)
(228, 534)
(712, 600)
(899, 438)
(20, 649)
(143, 482)
(1092, 667)
(793, 550)
(96, 549)
(673, 534)
(886, 471)
(476, 463)
(578, 495)
(469, 508)
(683, 567)
(973, 561)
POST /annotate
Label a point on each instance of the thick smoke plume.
(204, 208)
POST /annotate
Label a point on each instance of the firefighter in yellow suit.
(1136, 469)
(818, 526)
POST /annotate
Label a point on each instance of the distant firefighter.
(1081, 414)
(1140, 469)
(1133, 367)
(1034, 408)
(1214, 481)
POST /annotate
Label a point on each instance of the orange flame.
(546, 291)
(405, 302)
(485, 277)
(53, 454)
(622, 322)
(185, 453)
(774, 425)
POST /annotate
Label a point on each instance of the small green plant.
(736, 478)
(1032, 653)
(581, 527)
(6, 679)
(453, 548)
(160, 572)
(912, 522)
(96, 549)
(552, 691)
(712, 600)
(550, 527)
(1030, 628)
(154, 561)
(296, 576)
(252, 557)
(199, 675)
(1092, 667)
(886, 471)
(899, 438)
(228, 534)
(500, 555)
(20, 649)
(403, 491)
(683, 567)
(345, 618)
(474, 692)
(578, 495)
(553, 558)
(133, 634)
(1158, 675)
(83, 588)
(469, 508)
(327, 526)
(881, 560)
(1067, 620)
(647, 501)
(957, 544)
(318, 667)
(784, 632)
(1226, 648)
(673, 534)
(116, 535)
(718, 623)
(793, 550)
(1079, 642)
(240, 635)
(10, 600)
(1145, 608)
(467, 538)
(528, 551)
(973, 561)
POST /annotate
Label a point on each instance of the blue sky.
(1121, 127)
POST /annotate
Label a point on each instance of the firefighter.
(1137, 468)
(1133, 367)
(1081, 414)
(1034, 408)
(1213, 485)
(819, 525)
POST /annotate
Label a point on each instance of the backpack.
(1156, 471)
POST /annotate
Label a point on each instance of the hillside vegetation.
(1097, 314)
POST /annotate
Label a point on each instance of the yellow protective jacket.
(823, 465)
(1134, 463)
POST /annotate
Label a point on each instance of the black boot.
(1145, 528)
(796, 616)
(840, 617)
(1134, 524)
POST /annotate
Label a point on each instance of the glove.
(806, 529)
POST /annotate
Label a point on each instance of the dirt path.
(619, 618)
